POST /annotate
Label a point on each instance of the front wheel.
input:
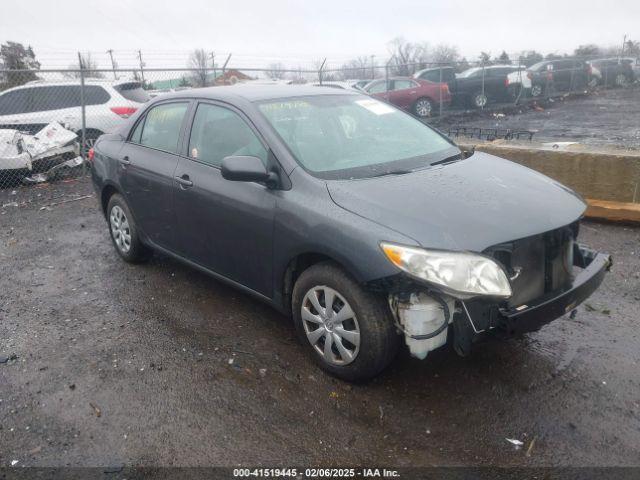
(348, 330)
(423, 107)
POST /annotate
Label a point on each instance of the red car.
(419, 97)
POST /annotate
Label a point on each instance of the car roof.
(256, 93)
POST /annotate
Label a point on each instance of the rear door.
(148, 162)
(222, 225)
(403, 93)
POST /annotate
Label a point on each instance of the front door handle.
(125, 160)
(184, 181)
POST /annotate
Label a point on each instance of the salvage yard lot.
(604, 117)
(107, 363)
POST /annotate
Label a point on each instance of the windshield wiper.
(452, 158)
(391, 172)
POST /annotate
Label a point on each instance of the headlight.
(461, 273)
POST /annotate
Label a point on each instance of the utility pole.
(624, 44)
(141, 66)
(213, 64)
(113, 63)
(373, 67)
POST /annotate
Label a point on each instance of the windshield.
(353, 136)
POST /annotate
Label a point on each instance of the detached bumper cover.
(530, 317)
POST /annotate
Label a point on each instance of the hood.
(470, 204)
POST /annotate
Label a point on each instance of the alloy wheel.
(423, 108)
(331, 325)
(536, 91)
(480, 100)
(621, 80)
(120, 229)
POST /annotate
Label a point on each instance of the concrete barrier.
(599, 174)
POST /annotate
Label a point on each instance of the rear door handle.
(184, 181)
(125, 160)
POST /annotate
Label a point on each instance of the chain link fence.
(49, 119)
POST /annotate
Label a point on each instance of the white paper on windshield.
(375, 106)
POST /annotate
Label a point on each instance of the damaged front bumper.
(533, 315)
(427, 317)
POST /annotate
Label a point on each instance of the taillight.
(124, 112)
(530, 75)
(445, 88)
(91, 154)
(506, 82)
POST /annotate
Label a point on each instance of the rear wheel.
(479, 99)
(536, 90)
(423, 107)
(621, 80)
(124, 232)
(346, 329)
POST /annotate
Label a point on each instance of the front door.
(223, 225)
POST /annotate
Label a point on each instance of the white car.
(32, 106)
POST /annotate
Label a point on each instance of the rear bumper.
(530, 317)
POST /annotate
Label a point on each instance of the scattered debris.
(8, 358)
(72, 386)
(515, 442)
(263, 372)
(60, 170)
(65, 201)
(531, 444)
(96, 409)
(230, 362)
(14, 463)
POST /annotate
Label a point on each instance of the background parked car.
(550, 76)
(419, 97)
(34, 105)
(343, 85)
(612, 71)
(475, 87)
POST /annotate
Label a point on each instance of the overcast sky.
(299, 32)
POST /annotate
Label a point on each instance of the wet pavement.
(604, 117)
(107, 363)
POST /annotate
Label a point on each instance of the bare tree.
(275, 71)
(444, 53)
(407, 57)
(356, 68)
(86, 63)
(199, 64)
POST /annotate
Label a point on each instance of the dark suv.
(557, 76)
(364, 224)
(475, 87)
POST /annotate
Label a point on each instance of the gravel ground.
(605, 117)
(157, 364)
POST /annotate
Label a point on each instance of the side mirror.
(244, 169)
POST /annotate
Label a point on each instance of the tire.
(367, 314)
(536, 91)
(423, 107)
(124, 232)
(621, 80)
(479, 99)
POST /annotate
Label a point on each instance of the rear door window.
(162, 126)
(403, 84)
(133, 92)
